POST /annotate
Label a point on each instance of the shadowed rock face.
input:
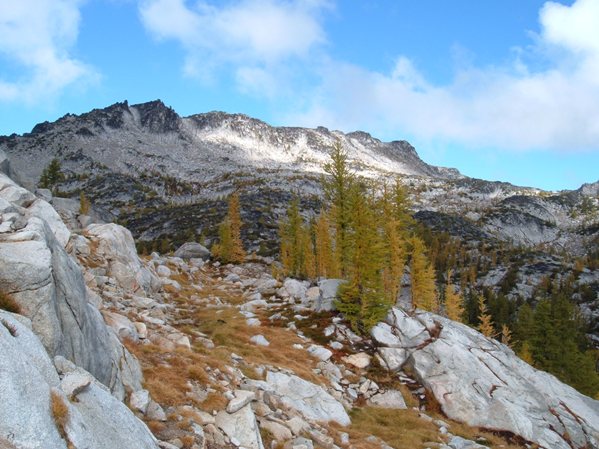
(481, 382)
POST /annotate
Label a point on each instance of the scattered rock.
(388, 399)
(259, 340)
(360, 360)
(241, 399)
(319, 352)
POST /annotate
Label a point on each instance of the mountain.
(165, 177)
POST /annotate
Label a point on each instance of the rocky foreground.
(105, 350)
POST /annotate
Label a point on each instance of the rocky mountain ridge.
(165, 177)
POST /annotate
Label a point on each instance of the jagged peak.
(158, 117)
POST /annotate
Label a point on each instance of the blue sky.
(500, 89)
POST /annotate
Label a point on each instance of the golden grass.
(401, 429)
(60, 414)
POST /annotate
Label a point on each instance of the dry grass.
(230, 333)
(60, 414)
(401, 429)
(214, 401)
(8, 303)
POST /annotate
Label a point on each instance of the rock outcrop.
(481, 382)
(49, 288)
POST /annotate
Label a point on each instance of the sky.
(500, 89)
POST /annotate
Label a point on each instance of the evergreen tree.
(558, 344)
(292, 245)
(51, 175)
(486, 324)
(424, 292)
(325, 259)
(230, 248)
(454, 308)
(337, 188)
(309, 258)
(362, 300)
(395, 232)
(524, 327)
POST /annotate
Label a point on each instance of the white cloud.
(37, 35)
(253, 37)
(511, 107)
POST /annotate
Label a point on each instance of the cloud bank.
(517, 106)
(253, 38)
(36, 36)
(511, 107)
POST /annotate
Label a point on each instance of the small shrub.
(9, 304)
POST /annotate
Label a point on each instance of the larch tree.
(485, 325)
(394, 232)
(337, 188)
(424, 292)
(230, 247)
(454, 303)
(326, 265)
(362, 300)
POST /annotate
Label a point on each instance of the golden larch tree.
(454, 303)
(485, 325)
(424, 291)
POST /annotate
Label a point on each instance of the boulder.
(310, 400)
(481, 382)
(294, 288)
(360, 360)
(328, 294)
(388, 399)
(192, 250)
(241, 399)
(278, 431)
(241, 427)
(259, 340)
(140, 400)
(116, 245)
(320, 352)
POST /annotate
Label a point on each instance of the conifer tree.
(525, 353)
(309, 258)
(337, 188)
(230, 248)
(454, 303)
(51, 175)
(362, 299)
(325, 259)
(290, 233)
(485, 325)
(395, 231)
(506, 335)
(424, 292)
